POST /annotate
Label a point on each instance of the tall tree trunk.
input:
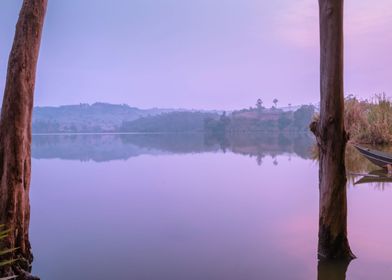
(331, 136)
(15, 133)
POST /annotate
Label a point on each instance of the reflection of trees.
(105, 147)
(264, 144)
(359, 167)
(380, 186)
(179, 143)
(259, 160)
(357, 164)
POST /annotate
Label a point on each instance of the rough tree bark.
(15, 134)
(331, 136)
(332, 270)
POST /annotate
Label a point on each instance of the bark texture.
(15, 135)
(332, 270)
(331, 136)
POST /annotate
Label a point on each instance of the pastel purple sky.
(221, 54)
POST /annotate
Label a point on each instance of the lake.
(191, 206)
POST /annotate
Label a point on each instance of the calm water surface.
(192, 207)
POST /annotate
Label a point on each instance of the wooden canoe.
(381, 159)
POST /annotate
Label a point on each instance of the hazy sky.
(220, 54)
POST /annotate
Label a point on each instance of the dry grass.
(369, 122)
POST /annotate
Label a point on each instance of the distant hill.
(98, 117)
(104, 117)
(174, 122)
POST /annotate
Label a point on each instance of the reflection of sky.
(194, 216)
(203, 54)
(206, 216)
(370, 230)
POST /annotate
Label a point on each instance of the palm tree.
(275, 101)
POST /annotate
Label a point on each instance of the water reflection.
(378, 177)
(210, 213)
(361, 171)
(356, 163)
(106, 147)
(205, 214)
(332, 270)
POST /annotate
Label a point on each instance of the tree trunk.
(332, 270)
(15, 134)
(331, 136)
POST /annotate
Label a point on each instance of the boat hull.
(378, 158)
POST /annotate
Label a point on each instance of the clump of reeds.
(369, 122)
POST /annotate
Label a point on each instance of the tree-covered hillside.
(262, 119)
(98, 117)
(102, 117)
(174, 122)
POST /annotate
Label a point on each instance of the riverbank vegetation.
(273, 120)
(369, 121)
